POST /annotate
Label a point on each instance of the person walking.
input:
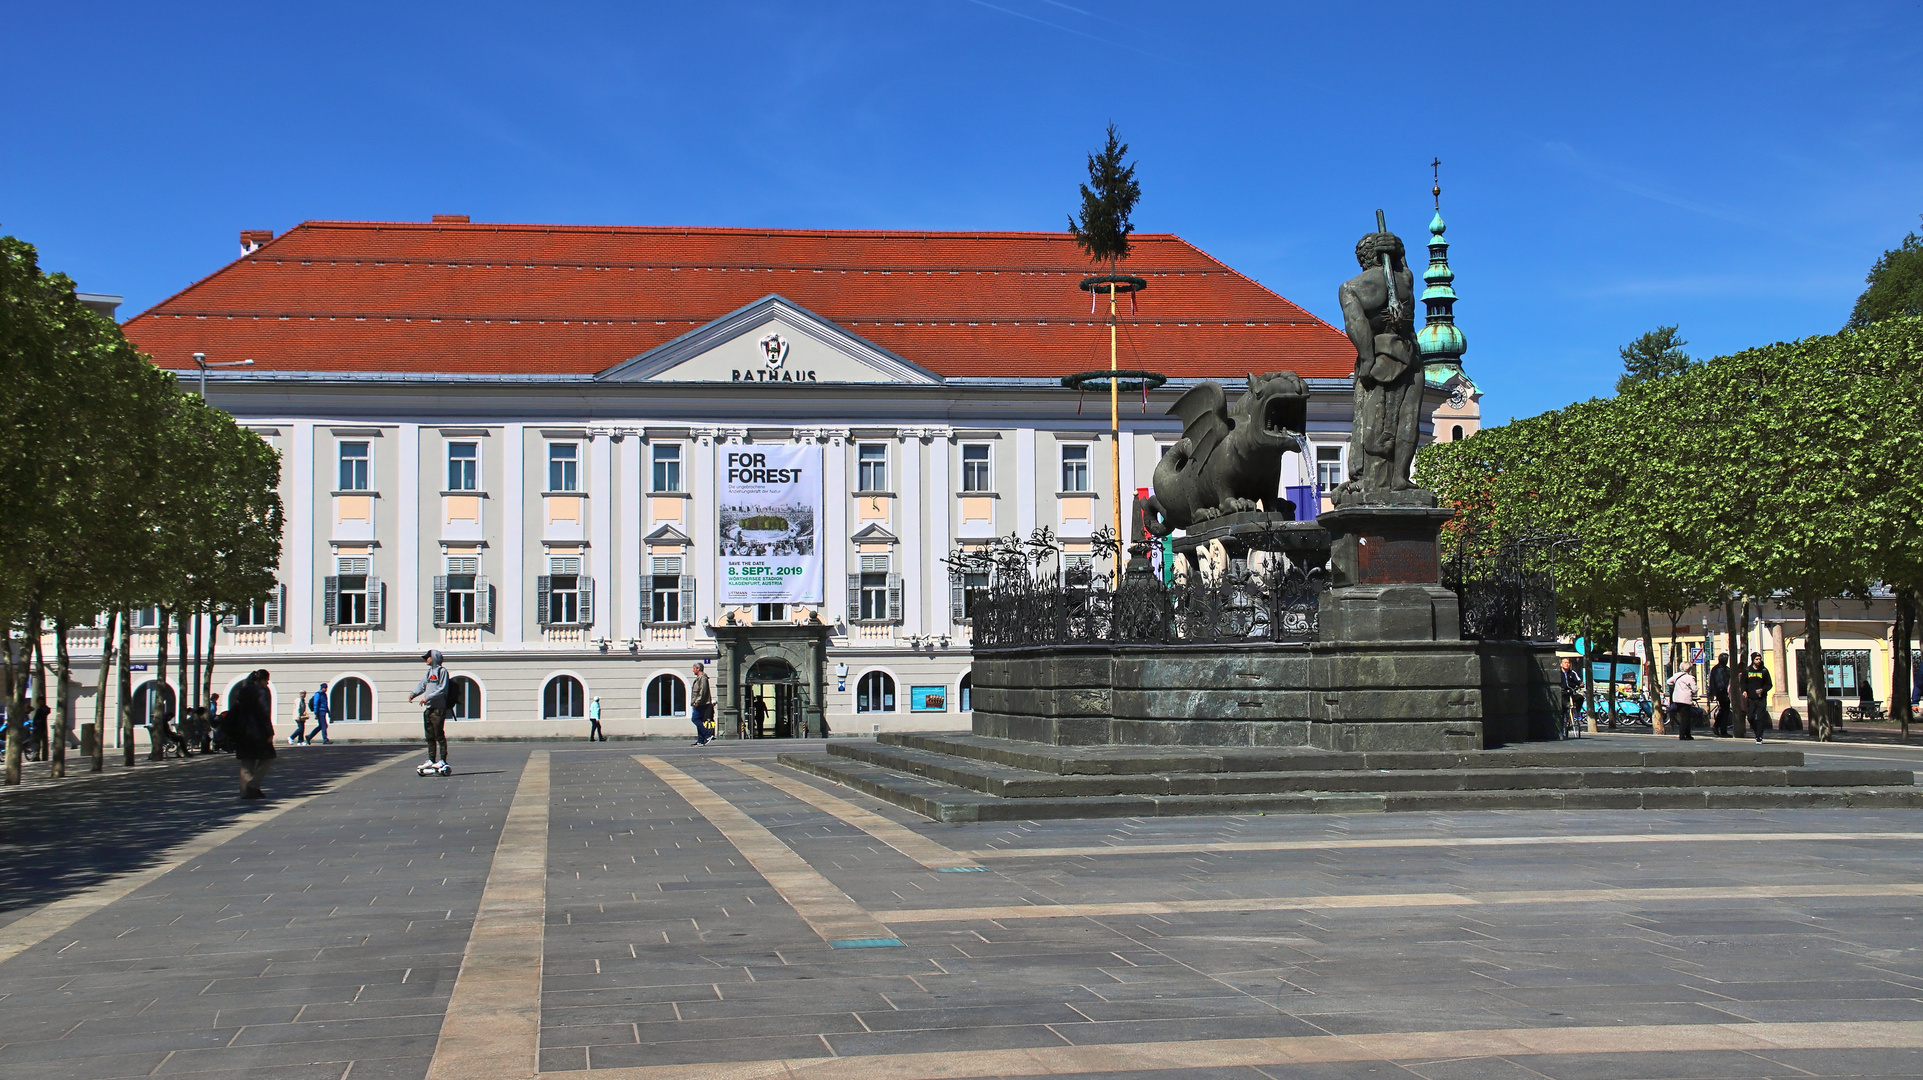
(1757, 684)
(211, 717)
(758, 709)
(1719, 696)
(300, 721)
(251, 729)
(701, 705)
(318, 707)
(594, 721)
(161, 733)
(432, 693)
(1682, 701)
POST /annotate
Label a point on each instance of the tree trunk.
(125, 720)
(63, 697)
(1589, 667)
(200, 698)
(1814, 677)
(100, 692)
(183, 696)
(40, 691)
(1650, 674)
(1734, 650)
(1902, 663)
(13, 694)
(213, 639)
(162, 623)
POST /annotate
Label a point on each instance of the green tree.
(1105, 226)
(1652, 356)
(1895, 286)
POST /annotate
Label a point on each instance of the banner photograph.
(769, 518)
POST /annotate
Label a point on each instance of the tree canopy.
(1895, 286)
(1652, 356)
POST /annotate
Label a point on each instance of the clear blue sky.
(1734, 168)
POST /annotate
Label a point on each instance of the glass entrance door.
(771, 701)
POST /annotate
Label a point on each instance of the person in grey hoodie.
(432, 693)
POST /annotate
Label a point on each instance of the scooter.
(433, 768)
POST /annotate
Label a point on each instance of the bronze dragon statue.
(1229, 459)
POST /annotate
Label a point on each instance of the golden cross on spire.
(1436, 167)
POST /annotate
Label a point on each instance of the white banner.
(768, 512)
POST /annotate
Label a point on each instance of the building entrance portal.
(771, 701)
(768, 678)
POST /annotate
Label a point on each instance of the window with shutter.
(894, 597)
(375, 594)
(687, 599)
(483, 601)
(541, 599)
(854, 596)
(440, 600)
(276, 599)
(586, 618)
(957, 599)
(330, 600)
(230, 619)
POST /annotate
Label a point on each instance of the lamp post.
(201, 361)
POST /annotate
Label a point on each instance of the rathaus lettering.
(751, 375)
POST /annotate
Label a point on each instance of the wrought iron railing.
(1505, 585)
(1022, 601)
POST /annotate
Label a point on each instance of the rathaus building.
(579, 459)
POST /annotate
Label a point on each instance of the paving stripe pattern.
(1415, 1046)
(839, 920)
(928, 853)
(32, 929)
(1430, 842)
(492, 1027)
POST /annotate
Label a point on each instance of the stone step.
(951, 803)
(1125, 759)
(1005, 782)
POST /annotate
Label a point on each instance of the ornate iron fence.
(1505, 585)
(1026, 601)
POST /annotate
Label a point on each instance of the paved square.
(647, 910)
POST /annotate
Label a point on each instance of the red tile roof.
(567, 299)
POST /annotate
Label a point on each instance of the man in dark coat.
(251, 729)
(1719, 695)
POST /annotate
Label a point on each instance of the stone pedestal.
(1385, 568)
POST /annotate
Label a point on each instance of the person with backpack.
(1682, 701)
(250, 727)
(317, 705)
(300, 720)
(432, 693)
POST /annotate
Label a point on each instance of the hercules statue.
(1388, 377)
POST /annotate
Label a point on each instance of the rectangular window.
(667, 467)
(353, 466)
(874, 588)
(563, 467)
(254, 614)
(351, 606)
(665, 604)
(974, 587)
(1328, 468)
(1078, 570)
(461, 574)
(463, 466)
(872, 467)
(1075, 467)
(770, 612)
(975, 476)
(564, 590)
(144, 617)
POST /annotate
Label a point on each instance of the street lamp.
(200, 359)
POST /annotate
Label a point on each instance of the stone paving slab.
(329, 942)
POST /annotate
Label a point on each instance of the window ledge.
(874, 494)
(677, 624)
(564, 494)
(867, 622)
(978, 494)
(363, 491)
(671, 494)
(476, 494)
(1078, 494)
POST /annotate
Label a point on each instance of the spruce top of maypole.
(1108, 199)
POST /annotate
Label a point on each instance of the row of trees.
(1788, 471)
(122, 493)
